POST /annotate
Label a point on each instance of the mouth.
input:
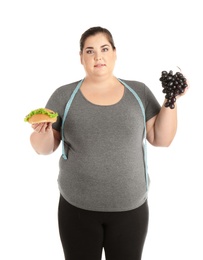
(99, 65)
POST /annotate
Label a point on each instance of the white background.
(39, 52)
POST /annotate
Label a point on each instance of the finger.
(49, 126)
(43, 128)
(34, 126)
(38, 127)
(46, 127)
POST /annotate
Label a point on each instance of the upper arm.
(150, 130)
(57, 139)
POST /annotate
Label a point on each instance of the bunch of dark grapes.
(173, 85)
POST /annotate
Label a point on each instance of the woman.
(103, 178)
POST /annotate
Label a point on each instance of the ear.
(115, 53)
(80, 53)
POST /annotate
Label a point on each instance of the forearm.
(165, 126)
(43, 143)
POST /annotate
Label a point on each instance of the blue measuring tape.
(143, 113)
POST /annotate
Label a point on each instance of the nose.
(97, 56)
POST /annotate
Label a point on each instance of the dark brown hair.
(93, 31)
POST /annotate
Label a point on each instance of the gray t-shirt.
(105, 167)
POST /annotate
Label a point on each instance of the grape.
(173, 85)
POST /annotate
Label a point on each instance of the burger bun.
(42, 118)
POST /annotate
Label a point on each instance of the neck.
(100, 82)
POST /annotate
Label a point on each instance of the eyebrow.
(101, 46)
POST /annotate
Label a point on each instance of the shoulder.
(148, 99)
(139, 87)
(58, 99)
(134, 83)
(63, 92)
(67, 87)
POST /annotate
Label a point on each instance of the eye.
(89, 51)
(105, 49)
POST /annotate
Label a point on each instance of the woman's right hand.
(42, 128)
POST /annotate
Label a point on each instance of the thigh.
(125, 234)
(80, 232)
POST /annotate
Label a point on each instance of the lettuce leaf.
(40, 111)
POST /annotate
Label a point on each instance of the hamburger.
(41, 115)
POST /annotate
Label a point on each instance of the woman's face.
(98, 56)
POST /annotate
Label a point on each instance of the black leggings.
(85, 233)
